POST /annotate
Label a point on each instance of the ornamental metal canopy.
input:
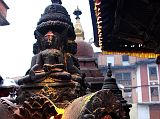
(127, 26)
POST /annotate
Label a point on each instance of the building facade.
(139, 79)
(147, 91)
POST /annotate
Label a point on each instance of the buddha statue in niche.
(49, 61)
(55, 60)
(55, 47)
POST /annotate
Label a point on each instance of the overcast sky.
(17, 38)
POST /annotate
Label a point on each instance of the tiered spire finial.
(109, 71)
(77, 12)
(57, 1)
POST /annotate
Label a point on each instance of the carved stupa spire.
(57, 1)
(109, 82)
(109, 71)
(77, 12)
(78, 27)
(55, 18)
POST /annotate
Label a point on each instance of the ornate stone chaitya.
(54, 64)
(54, 34)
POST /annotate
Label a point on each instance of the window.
(127, 76)
(110, 60)
(154, 93)
(152, 73)
(123, 78)
(125, 60)
(118, 76)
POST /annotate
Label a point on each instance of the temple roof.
(127, 26)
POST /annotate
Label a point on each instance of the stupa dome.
(84, 49)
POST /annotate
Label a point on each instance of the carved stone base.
(60, 93)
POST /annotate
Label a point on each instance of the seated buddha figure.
(73, 67)
(72, 63)
(50, 61)
(36, 50)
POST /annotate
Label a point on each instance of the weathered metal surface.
(97, 105)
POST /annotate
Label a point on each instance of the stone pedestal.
(60, 93)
